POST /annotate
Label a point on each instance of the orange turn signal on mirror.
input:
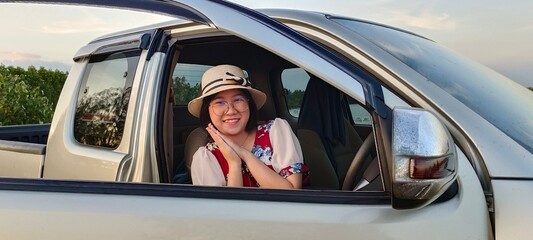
(428, 168)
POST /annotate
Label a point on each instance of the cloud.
(87, 23)
(18, 56)
(519, 71)
(25, 60)
(65, 27)
(53, 65)
(526, 28)
(425, 19)
(104, 20)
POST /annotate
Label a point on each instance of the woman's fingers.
(211, 132)
(214, 132)
(224, 144)
(221, 137)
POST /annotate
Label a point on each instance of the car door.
(56, 209)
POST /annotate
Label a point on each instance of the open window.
(286, 86)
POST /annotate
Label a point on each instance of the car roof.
(278, 13)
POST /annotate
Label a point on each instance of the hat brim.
(195, 105)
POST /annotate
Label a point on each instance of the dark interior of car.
(325, 127)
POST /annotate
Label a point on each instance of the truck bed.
(23, 149)
(34, 133)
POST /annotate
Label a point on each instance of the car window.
(294, 82)
(360, 115)
(186, 79)
(103, 101)
(326, 124)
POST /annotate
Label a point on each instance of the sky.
(495, 33)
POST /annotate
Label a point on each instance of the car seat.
(328, 140)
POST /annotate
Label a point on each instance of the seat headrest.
(322, 112)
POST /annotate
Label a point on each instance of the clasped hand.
(233, 153)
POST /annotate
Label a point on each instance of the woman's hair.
(252, 107)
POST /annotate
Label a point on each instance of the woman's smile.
(231, 122)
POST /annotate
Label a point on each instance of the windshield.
(505, 105)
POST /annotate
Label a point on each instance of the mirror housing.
(424, 159)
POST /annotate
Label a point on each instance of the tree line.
(29, 96)
(184, 92)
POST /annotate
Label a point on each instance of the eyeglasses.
(240, 104)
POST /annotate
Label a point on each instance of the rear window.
(294, 82)
(186, 79)
(103, 99)
(360, 115)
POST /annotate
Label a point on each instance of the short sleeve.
(205, 169)
(287, 157)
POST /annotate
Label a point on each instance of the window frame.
(132, 57)
(302, 196)
(285, 93)
(193, 191)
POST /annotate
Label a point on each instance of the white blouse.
(286, 154)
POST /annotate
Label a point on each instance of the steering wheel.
(359, 160)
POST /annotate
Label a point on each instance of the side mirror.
(424, 158)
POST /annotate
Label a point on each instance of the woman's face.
(229, 112)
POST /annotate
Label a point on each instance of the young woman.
(242, 153)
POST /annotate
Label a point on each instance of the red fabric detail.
(221, 161)
(262, 138)
(247, 179)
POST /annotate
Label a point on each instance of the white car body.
(494, 172)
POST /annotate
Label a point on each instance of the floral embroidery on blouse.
(211, 146)
(294, 168)
(267, 126)
(264, 154)
(263, 150)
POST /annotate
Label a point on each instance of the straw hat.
(221, 78)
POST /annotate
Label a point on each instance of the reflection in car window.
(294, 82)
(186, 78)
(486, 92)
(103, 99)
(359, 114)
